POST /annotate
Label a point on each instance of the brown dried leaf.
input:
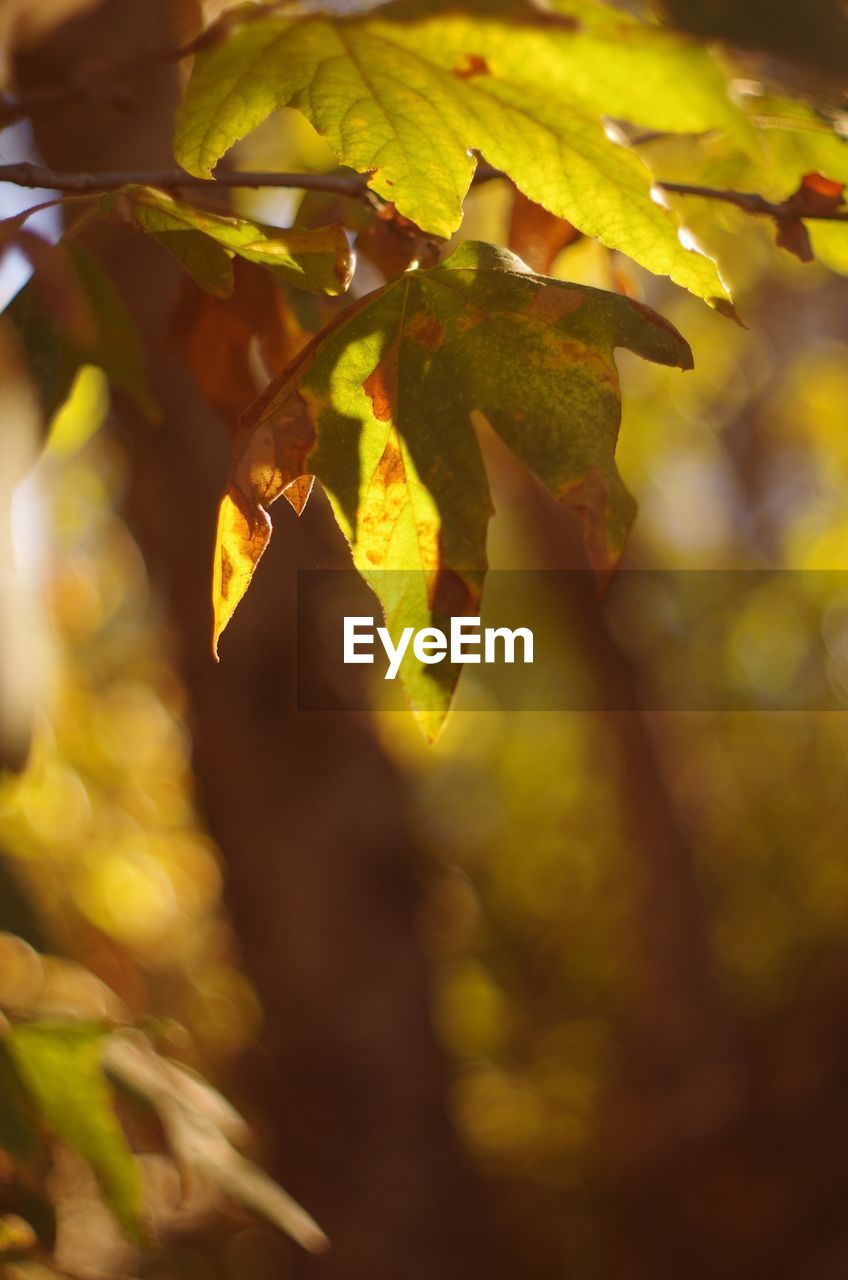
(234, 346)
(816, 197)
(538, 236)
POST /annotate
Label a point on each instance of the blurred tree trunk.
(323, 867)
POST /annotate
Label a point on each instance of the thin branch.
(752, 203)
(354, 186)
(24, 174)
(18, 219)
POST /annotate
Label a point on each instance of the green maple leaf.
(406, 93)
(379, 408)
(205, 244)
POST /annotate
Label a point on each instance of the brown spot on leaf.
(470, 319)
(390, 469)
(471, 65)
(381, 385)
(383, 507)
(426, 330)
(552, 304)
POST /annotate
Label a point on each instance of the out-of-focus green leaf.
(18, 1122)
(82, 412)
(379, 407)
(118, 350)
(407, 93)
(59, 1065)
(205, 243)
(54, 355)
(51, 362)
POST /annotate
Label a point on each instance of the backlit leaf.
(205, 243)
(406, 94)
(379, 407)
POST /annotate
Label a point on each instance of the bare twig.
(752, 203)
(355, 186)
(24, 174)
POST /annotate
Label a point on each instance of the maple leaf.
(379, 408)
(407, 93)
